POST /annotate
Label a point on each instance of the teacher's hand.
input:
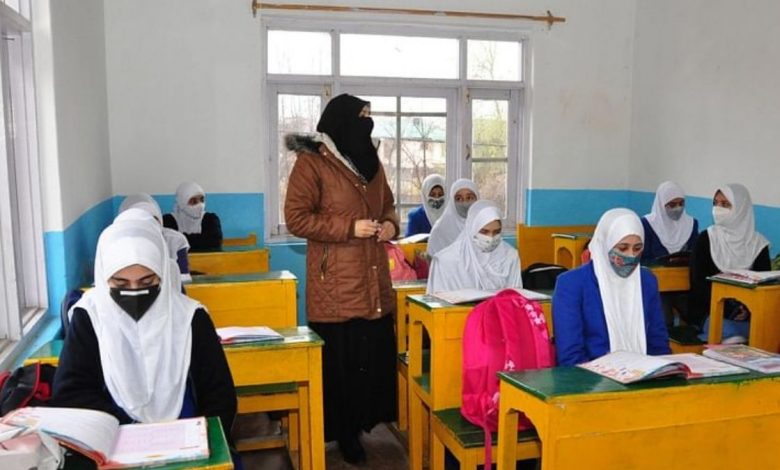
(386, 231)
(366, 228)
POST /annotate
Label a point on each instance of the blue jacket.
(655, 249)
(418, 222)
(580, 327)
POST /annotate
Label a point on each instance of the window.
(22, 274)
(445, 101)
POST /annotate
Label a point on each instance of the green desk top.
(227, 249)
(430, 302)
(292, 336)
(565, 381)
(410, 284)
(218, 448)
(267, 276)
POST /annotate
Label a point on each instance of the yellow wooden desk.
(230, 260)
(672, 278)
(764, 304)
(586, 421)
(249, 240)
(296, 359)
(568, 248)
(441, 387)
(402, 289)
(535, 243)
(248, 299)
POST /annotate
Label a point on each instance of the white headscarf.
(673, 234)
(145, 363)
(175, 240)
(181, 209)
(450, 224)
(463, 265)
(620, 297)
(430, 182)
(734, 243)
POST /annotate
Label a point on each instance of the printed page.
(757, 276)
(149, 444)
(745, 356)
(90, 431)
(417, 238)
(461, 296)
(625, 367)
(532, 295)
(701, 366)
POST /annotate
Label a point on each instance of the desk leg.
(716, 316)
(305, 428)
(316, 420)
(507, 434)
(415, 432)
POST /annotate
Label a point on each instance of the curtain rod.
(549, 18)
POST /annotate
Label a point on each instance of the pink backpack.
(504, 333)
(400, 269)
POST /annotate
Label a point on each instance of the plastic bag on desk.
(30, 449)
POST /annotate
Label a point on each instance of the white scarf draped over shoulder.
(450, 224)
(620, 297)
(430, 182)
(463, 265)
(186, 222)
(734, 242)
(145, 363)
(673, 234)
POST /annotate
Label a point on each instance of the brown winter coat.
(346, 277)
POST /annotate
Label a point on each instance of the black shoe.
(352, 450)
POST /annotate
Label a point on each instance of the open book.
(745, 356)
(629, 367)
(100, 437)
(246, 334)
(463, 296)
(747, 277)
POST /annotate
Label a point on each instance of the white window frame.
(23, 297)
(458, 92)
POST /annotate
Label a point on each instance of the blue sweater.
(655, 249)
(578, 317)
(418, 222)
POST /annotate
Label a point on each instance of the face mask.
(719, 214)
(463, 208)
(486, 243)
(135, 302)
(675, 213)
(196, 211)
(624, 265)
(436, 202)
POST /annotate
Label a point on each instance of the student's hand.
(386, 231)
(366, 228)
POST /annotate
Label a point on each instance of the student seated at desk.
(732, 242)
(178, 246)
(609, 304)
(668, 228)
(137, 348)
(479, 258)
(423, 217)
(463, 193)
(202, 229)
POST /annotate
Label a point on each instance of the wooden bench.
(230, 260)
(249, 240)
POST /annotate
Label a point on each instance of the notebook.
(745, 356)
(747, 277)
(100, 437)
(417, 238)
(246, 334)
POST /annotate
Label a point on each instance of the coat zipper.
(324, 263)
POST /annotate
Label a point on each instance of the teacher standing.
(338, 199)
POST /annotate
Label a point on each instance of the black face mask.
(135, 302)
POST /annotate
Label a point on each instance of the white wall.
(72, 109)
(706, 97)
(184, 95)
(184, 92)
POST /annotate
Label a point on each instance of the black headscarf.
(351, 133)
